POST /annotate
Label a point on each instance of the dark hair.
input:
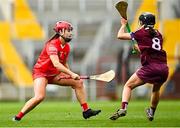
(147, 18)
(55, 36)
(152, 31)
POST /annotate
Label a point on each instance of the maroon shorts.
(153, 73)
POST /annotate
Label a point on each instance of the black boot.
(90, 112)
(15, 118)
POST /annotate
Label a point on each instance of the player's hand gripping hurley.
(122, 9)
(106, 77)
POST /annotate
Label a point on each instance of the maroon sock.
(20, 115)
(124, 105)
(84, 106)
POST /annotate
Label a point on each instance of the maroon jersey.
(151, 50)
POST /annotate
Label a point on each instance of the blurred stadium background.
(25, 25)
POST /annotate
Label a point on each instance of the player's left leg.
(154, 102)
(78, 86)
(132, 83)
(39, 95)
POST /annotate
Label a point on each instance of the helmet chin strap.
(66, 39)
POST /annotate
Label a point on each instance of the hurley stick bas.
(122, 9)
(106, 77)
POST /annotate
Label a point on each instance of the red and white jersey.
(44, 64)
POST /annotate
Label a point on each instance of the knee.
(128, 86)
(133, 84)
(78, 84)
(39, 98)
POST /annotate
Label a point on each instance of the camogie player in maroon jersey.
(51, 64)
(154, 68)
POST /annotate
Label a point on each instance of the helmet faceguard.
(147, 19)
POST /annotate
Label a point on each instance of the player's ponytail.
(55, 36)
(152, 32)
(148, 20)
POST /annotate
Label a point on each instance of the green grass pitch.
(68, 114)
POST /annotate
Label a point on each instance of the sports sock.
(84, 106)
(20, 115)
(124, 105)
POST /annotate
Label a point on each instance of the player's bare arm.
(121, 33)
(62, 68)
(124, 35)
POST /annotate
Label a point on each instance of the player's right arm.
(124, 35)
(121, 33)
(61, 67)
(52, 52)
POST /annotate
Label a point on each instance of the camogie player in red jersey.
(51, 64)
(154, 68)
